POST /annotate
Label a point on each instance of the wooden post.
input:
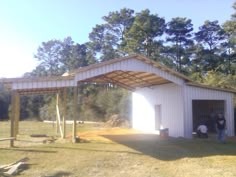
(75, 114)
(58, 115)
(13, 95)
(64, 112)
(57, 98)
(17, 114)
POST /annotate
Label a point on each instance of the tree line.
(206, 55)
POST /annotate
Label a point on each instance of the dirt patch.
(98, 135)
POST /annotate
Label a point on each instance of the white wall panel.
(142, 112)
(169, 96)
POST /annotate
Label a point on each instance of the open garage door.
(205, 111)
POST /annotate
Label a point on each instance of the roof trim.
(211, 87)
(135, 56)
(35, 79)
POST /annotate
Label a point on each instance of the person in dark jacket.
(220, 127)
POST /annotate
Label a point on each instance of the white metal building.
(162, 98)
(172, 106)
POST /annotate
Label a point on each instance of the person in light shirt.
(202, 131)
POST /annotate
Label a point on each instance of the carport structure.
(33, 86)
(162, 98)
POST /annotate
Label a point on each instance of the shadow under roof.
(128, 79)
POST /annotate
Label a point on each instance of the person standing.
(220, 127)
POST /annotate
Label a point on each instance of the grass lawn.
(120, 152)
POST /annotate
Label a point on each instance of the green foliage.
(229, 46)
(48, 111)
(219, 79)
(179, 35)
(142, 35)
(101, 101)
(210, 34)
(57, 57)
(30, 106)
(49, 55)
(119, 23)
(106, 40)
(102, 42)
(209, 39)
(113, 101)
(206, 60)
(4, 102)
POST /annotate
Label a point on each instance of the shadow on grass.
(173, 148)
(95, 150)
(59, 174)
(27, 150)
(23, 167)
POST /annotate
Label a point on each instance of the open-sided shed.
(162, 98)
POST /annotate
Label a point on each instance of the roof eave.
(137, 56)
(211, 87)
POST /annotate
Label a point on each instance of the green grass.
(131, 155)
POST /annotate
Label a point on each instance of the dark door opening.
(205, 111)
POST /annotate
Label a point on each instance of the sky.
(25, 24)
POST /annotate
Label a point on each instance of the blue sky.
(25, 24)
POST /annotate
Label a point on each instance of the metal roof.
(136, 56)
(126, 78)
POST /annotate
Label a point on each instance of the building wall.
(169, 96)
(196, 93)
